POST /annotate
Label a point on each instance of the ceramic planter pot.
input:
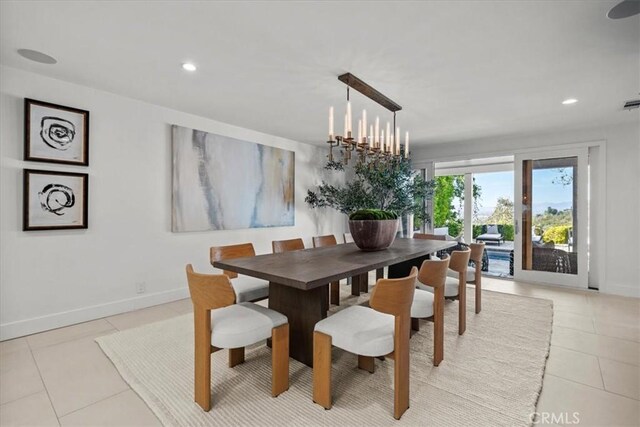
(373, 235)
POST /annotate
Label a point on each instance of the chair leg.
(462, 304)
(438, 326)
(335, 293)
(415, 324)
(202, 374)
(401, 367)
(478, 292)
(236, 356)
(279, 359)
(367, 363)
(322, 369)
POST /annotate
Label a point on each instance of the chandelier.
(372, 145)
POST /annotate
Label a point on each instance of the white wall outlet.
(141, 287)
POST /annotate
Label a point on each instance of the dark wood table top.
(310, 268)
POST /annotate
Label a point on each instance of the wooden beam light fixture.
(373, 144)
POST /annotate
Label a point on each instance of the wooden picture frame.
(55, 133)
(55, 200)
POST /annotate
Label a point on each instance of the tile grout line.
(98, 401)
(595, 388)
(600, 335)
(44, 384)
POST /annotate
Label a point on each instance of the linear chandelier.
(372, 145)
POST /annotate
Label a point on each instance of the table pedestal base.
(303, 309)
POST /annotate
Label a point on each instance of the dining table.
(299, 280)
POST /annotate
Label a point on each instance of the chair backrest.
(218, 253)
(444, 231)
(210, 291)
(459, 260)
(394, 296)
(348, 238)
(328, 240)
(427, 236)
(433, 272)
(477, 249)
(280, 246)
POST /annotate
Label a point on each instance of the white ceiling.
(461, 70)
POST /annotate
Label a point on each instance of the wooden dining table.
(299, 280)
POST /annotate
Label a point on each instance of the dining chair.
(382, 329)
(220, 323)
(455, 288)
(279, 246)
(246, 288)
(474, 274)
(430, 305)
(334, 287)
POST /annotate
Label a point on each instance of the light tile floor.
(61, 377)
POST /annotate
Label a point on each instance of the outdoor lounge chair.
(491, 235)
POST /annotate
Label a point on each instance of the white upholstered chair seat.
(243, 324)
(360, 330)
(471, 274)
(451, 287)
(422, 306)
(250, 288)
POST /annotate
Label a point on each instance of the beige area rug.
(490, 376)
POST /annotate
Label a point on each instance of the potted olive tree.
(376, 198)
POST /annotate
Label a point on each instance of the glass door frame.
(579, 280)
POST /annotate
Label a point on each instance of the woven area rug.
(490, 376)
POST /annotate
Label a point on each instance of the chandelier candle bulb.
(346, 127)
(359, 131)
(331, 124)
(387, 137)
(382, 141)
(364, 124)
(372, 142)
(377, 134)
(406, 144)
(349, 127)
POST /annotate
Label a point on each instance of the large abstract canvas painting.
(222, 183)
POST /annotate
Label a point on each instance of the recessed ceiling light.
(189, 66)
(569, 101)
(34, 55)
(624, 9)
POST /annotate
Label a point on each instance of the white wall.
(50, 279)
(621, 191)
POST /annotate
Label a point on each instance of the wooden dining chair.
(219, 323)
(334, 287)
(455, 288)
(379, 330)
(279, 246)
(246, 288)
(427, 236)
(430, 305)
(474, 274)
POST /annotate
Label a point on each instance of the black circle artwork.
(57, 133)
(55, 198)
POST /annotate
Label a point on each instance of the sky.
(545, 192)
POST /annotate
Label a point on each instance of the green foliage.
(445, 214)
(558, 234)
(503, 212)
(553, 217)
(390, 186)
(372, 214)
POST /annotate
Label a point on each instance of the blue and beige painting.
(222, 183)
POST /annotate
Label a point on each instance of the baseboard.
(58, 320)
(625, 291)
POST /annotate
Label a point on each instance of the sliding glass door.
(551, 218)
